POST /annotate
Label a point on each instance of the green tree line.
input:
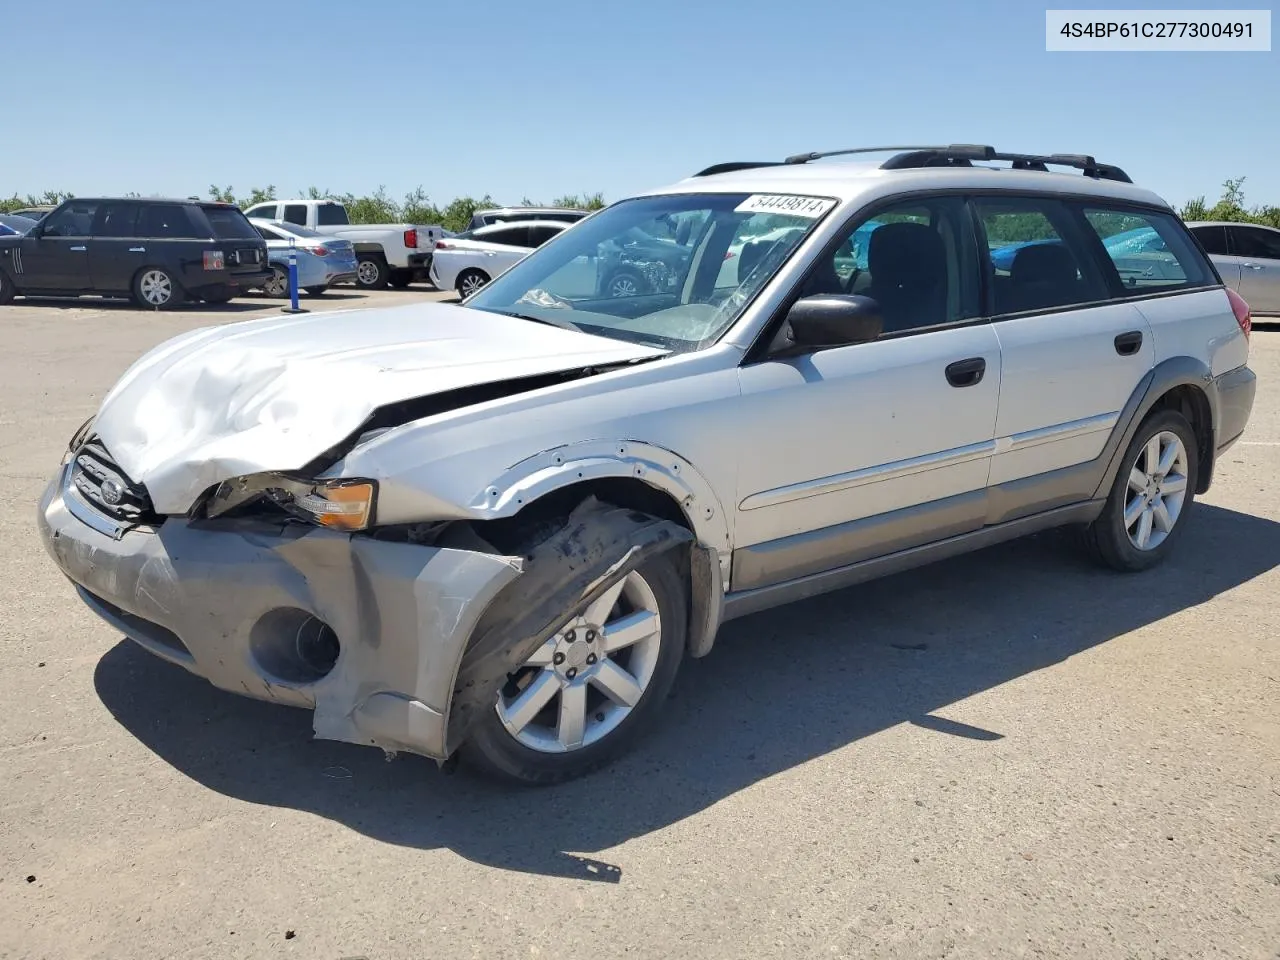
(376, 207)
(417, 206)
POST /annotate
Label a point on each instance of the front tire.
(585, 696)
(372, 272)
(1152, 493)
(7, 289)
(154, 288)
(469, 281)
(624, 283)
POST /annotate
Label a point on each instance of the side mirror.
(834, 320)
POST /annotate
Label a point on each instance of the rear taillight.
(441, 245)
(411, 239)
(213, 260)
(729, 255)
(1241, 309)
(320, 251)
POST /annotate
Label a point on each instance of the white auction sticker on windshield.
(809, 207)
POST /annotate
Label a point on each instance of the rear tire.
(1151, 495)
(469, 281)
(154, 288)
(493, 749)
(400, 279)
(277, 285)
(371, 271)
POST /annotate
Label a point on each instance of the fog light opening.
(317, 646)
(293, 647)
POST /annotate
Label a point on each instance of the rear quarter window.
(1150, 251)
(229, 223)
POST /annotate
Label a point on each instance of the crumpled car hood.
(273, 394)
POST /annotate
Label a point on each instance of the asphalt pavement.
(1011, 754)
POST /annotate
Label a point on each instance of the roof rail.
(952, 155)
(733, 165)
(962, 155)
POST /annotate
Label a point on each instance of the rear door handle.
(76, 249)
(1252, 266)
(1127, 344)
(137, 249)
(966, 373)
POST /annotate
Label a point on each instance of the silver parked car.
(1247, 256)
(498, 528)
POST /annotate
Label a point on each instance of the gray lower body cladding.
(228, 604)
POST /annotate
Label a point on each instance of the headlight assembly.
(344, 504)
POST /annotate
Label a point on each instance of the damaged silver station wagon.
(494, 530)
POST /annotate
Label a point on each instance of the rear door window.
(117, 220)
(1036, 256)
(263, 213)
(540, 235)
(1150, 251)
(513, 236)
(1213, 239)
(1255, 242)
(229, 223)
(295, 213)
(164, 221)
(330, 215)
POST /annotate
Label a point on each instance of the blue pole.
(293, 276)
(293, 280)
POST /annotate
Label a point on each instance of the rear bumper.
(420, 261)
(1236, 390)
(229, 604)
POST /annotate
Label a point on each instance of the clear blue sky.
(540, 97)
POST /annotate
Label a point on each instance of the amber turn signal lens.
(340, 506)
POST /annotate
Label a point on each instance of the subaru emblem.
(112, 492)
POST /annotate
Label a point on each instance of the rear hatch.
(243, 249)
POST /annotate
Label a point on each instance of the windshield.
(672, 271)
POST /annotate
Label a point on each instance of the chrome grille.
(107, 488)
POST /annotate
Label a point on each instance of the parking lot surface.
(1009, 754)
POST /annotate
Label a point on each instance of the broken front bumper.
(230, 605)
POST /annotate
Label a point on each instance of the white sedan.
(467, 261)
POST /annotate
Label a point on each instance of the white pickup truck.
(386, 253)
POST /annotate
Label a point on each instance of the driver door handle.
(1252, 266)
(966, 373)
(81, 249)
(137, 249)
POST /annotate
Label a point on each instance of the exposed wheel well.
(534, 520)
(1192, 403)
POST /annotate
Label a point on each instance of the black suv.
(159, 252)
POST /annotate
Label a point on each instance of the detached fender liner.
(570, 568)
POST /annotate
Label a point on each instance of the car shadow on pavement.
(781, 688)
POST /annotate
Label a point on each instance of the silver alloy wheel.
(584, 681)
(470, 283)
(622, 287)
(367, 271)
(1157, 490)
(156, 288)
(277, 284)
